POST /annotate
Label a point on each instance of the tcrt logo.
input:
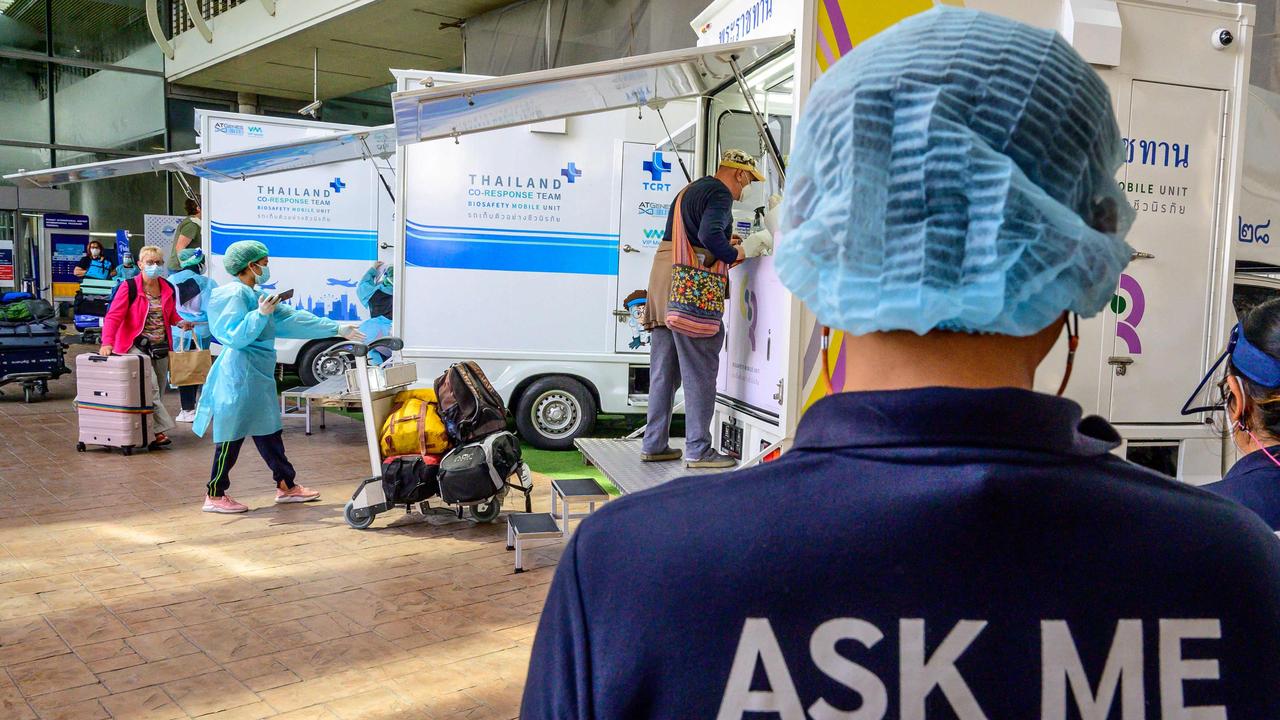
(337, 185)
(656, 167)
(571, 173)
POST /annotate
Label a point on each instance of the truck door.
(1163, 307)
(650, 180)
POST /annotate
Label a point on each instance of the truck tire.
(554, 411)
(313, 369)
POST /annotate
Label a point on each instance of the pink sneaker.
(223, 504)
(297, 494)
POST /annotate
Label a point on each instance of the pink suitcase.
(113, 400)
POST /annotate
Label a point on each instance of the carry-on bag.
(414, 425)
(476, 472)
(469, 406)
(113, 400)
(30, 347)
(409, 479)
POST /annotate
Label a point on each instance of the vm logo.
(571, 173)
(337, 185)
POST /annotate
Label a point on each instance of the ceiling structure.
(356, 49)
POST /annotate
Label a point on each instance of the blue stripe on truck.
(514, 252)
(319, 244)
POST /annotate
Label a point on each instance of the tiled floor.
(120, 599)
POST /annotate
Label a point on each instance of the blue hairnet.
(242, 252)
(945, 176)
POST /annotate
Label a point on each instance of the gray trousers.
(675, 360)
(161, 420)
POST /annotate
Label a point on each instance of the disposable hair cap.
(949, 174)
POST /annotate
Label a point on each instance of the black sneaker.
(713, 461)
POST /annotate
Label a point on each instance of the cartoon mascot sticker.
(634, 303)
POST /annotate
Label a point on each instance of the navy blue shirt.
(1254, 482)
(706, 207)
(933, 553)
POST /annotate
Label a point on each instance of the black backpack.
(469, 406)
(476, 472)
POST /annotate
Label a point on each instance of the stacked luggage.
(449, 442)
(92, 300)
(31, 349)
(113, 401)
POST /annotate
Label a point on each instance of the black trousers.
(187, 393)
(270, 447)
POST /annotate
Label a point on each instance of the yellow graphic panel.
(842, 24)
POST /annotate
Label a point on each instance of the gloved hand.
(352, 333)
(267, 304)
(772, 215)
(758, 243)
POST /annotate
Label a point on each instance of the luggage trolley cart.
(31, 354)
(369, 498)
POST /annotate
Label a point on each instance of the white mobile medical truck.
(323, 224)
(1178, 74)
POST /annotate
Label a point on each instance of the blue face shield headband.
(1247, 360)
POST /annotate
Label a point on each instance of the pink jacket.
(124, 321)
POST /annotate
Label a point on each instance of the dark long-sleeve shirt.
(933, 553)
(706, 207)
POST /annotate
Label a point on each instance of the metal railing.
(180, 20)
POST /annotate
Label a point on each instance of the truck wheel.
(316, 364)
(554, 411)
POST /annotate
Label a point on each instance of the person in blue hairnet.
(128, 269)
(1251, 399)
(940, 541)
(194, 290)
(375, 292)
(239, 397)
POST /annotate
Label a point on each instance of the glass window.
(111, 32)
(118, 203)
(108, 109)
(24, 112)
(14, 158)
(356, 113)
(182, 121)
(22, 25)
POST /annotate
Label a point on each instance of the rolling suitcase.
(113, 401)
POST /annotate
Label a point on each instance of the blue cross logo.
(571, 173)
(657, 167)
(337, 184)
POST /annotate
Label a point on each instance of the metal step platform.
(619, 460)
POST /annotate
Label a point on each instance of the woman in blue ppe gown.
(94, 265)
(240, 394)
(128, 269)
(194, 290)
(375, 293)
(1252, 393)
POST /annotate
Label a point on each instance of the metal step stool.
(574, 490)
(524, 527)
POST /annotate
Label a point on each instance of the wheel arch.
(521, 387)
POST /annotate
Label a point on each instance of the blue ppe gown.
(127, 272)
(99, 269)
(194, 309)
(380, 325)
(240, 393)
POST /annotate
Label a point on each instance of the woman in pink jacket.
(138, 323)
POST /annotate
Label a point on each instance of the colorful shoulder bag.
(695, 306)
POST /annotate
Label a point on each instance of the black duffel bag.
(408, 479)
(476, 472)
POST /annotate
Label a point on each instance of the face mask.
(152, 271)
(95, 252)
(262, 273)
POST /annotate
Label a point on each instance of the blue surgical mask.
(262, 273)
(152, 271)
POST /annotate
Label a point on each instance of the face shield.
(1247, 360)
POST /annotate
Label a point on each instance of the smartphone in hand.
(286, 295)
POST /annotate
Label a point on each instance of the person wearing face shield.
(375, 291)
(128, 269)
(239, 398)
(699, 245)
(1251, 400)
(194, 289)
(939, 540)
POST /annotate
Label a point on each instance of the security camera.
(1222, 38)
(311, 109)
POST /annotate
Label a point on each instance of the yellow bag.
(414, 426)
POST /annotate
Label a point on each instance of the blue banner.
(464, 248)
